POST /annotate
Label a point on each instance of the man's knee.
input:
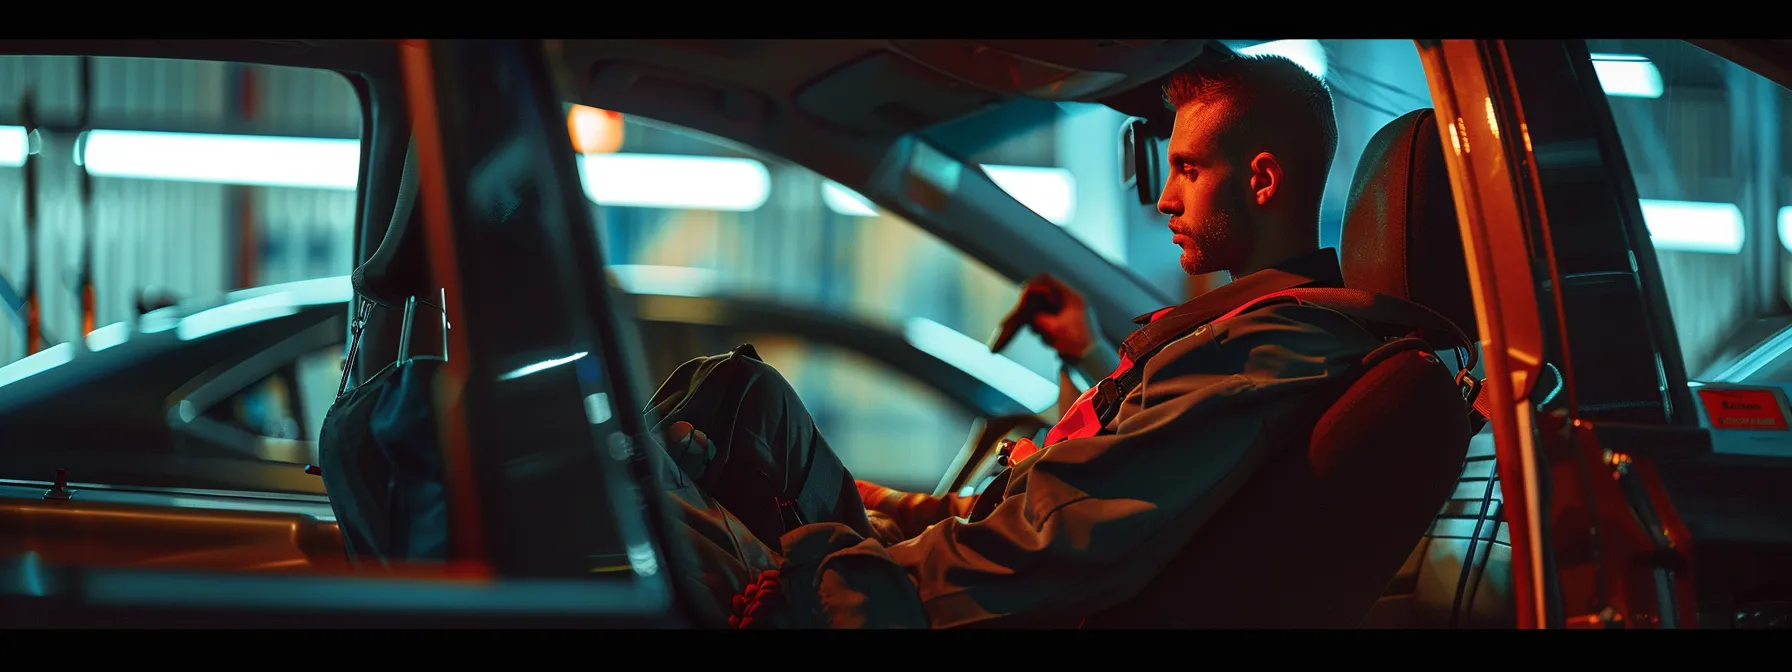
(762, 387)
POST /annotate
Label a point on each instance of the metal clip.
(410, 317)
(442, 295)
(1471, 386)
(1006, 452)
(356, 327)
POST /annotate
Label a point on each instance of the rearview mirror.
(1141, 167)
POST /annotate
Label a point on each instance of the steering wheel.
(979, 460)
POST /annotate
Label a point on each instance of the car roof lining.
(809, 101)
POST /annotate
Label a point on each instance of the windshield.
(1705, 139)
(758, 227)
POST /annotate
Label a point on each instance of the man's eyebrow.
(1182, 157)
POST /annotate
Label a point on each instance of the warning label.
(1743, 409)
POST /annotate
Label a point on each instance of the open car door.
(1609, 473)
(540, 435)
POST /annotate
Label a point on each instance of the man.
(1084, 523)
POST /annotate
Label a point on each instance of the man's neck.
(1264, 258)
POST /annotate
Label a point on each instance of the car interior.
(1388, 515)
(396, 270)
(1363, 443)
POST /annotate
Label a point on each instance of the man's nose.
(1168, 205)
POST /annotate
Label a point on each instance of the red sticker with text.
(1743, 409)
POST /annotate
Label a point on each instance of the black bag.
(382, 467)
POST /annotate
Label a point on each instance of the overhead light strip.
(1691, 226)
(1627, 76)
(1049, 191)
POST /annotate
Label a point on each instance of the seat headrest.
(1401, 235)
(387, 275)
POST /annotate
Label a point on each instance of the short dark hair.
(1275, 105)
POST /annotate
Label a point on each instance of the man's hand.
(1056, 312)
(872, 494)
(681, 430)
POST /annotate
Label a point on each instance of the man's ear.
(1266, 178)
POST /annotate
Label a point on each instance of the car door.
(1615, 487)
(537, 369)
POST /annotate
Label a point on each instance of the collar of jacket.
(1315, 269)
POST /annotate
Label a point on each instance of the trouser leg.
(767, 462)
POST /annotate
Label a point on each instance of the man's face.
(1205, 195)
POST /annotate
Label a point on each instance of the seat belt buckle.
(1005, 454)
(1470, 385)
(1106, 401)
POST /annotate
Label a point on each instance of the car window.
(288, 404)
(204, 177)
(682, 212)
(885, 426)
(1704, 138)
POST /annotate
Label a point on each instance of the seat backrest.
(1315, 537)
(1433, 591)
(1402, 237)
(395, 270)
(360, 477)
(1317, 533)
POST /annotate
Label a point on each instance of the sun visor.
(1146, 100)
(884, 93)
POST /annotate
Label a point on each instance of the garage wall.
(181, 238)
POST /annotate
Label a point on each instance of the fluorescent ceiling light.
(665, 280)
(1051, 192)
(1627, 75)
(1048, 191)
(1786, 228)
(254, 160)
(675, 182)
(974, 358)
(1688, 226)
(633, 180)
(12, 146)
(846, 201)
(1308, 54)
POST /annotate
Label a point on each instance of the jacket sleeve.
(1086, 523)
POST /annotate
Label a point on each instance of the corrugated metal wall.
(180, 237)
(1715, 135)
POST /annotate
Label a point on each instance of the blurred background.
(173, 180)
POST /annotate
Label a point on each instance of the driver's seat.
(1459, 574)
(1316, 536)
